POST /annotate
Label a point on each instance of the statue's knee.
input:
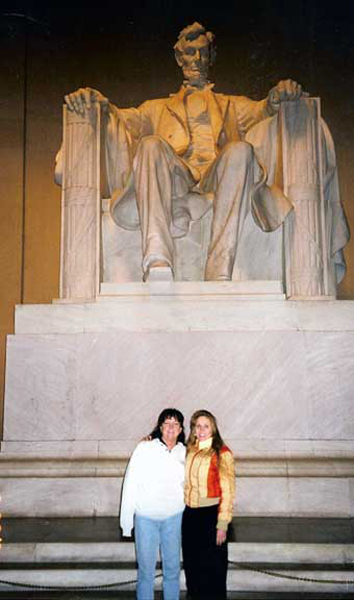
(239, 152)
(150, 143)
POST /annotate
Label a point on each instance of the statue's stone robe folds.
(232, 118)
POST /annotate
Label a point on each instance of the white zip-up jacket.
(153, 483)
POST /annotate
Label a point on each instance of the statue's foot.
(216, 277)
(223, 278)
(158, 271)
(219, 267)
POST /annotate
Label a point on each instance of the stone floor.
(37, 595)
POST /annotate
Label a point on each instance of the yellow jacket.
(209, 481)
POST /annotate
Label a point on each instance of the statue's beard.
(195, 76)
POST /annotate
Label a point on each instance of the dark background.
(131, 45)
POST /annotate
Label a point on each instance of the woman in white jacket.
(152, 503)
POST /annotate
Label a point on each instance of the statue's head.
(195, 52)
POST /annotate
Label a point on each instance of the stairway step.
(243, 530)
(91, 551)
(243, 579)
(100, 553)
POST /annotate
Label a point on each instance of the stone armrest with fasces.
(303, 162)
(78, 171)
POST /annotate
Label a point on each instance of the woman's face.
(170, 430)
(203, 429)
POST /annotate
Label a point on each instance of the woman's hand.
(220, 537)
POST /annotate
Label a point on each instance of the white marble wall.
(261, 385)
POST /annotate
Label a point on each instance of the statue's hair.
(190, 33)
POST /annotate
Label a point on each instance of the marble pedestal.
(85, 382)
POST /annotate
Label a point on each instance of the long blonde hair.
(217, 442)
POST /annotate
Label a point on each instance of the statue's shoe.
(159, 274)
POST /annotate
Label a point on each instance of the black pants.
(205, 563)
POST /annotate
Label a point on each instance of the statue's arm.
(82, 99)
(125, 127)
(123, 130)
(250, 112)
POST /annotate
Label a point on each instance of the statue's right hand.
(83, 98)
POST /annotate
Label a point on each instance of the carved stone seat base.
(232, 290)
(121, 253)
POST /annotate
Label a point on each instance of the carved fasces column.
(308, 271)
(80, 216)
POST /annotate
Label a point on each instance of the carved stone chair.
(95, 252)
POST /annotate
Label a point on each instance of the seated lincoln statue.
(169, 160)
(191, 141)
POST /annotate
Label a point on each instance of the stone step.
(275, 530)
(113, 552)
(243, 576)
(267, 556)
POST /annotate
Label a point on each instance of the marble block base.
(36, 481)
(85, 382)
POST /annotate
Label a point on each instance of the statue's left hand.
(285, 90)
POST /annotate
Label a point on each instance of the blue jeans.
(150, 534)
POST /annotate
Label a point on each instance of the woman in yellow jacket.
(209, 492)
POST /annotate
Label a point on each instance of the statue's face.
(195, 59)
